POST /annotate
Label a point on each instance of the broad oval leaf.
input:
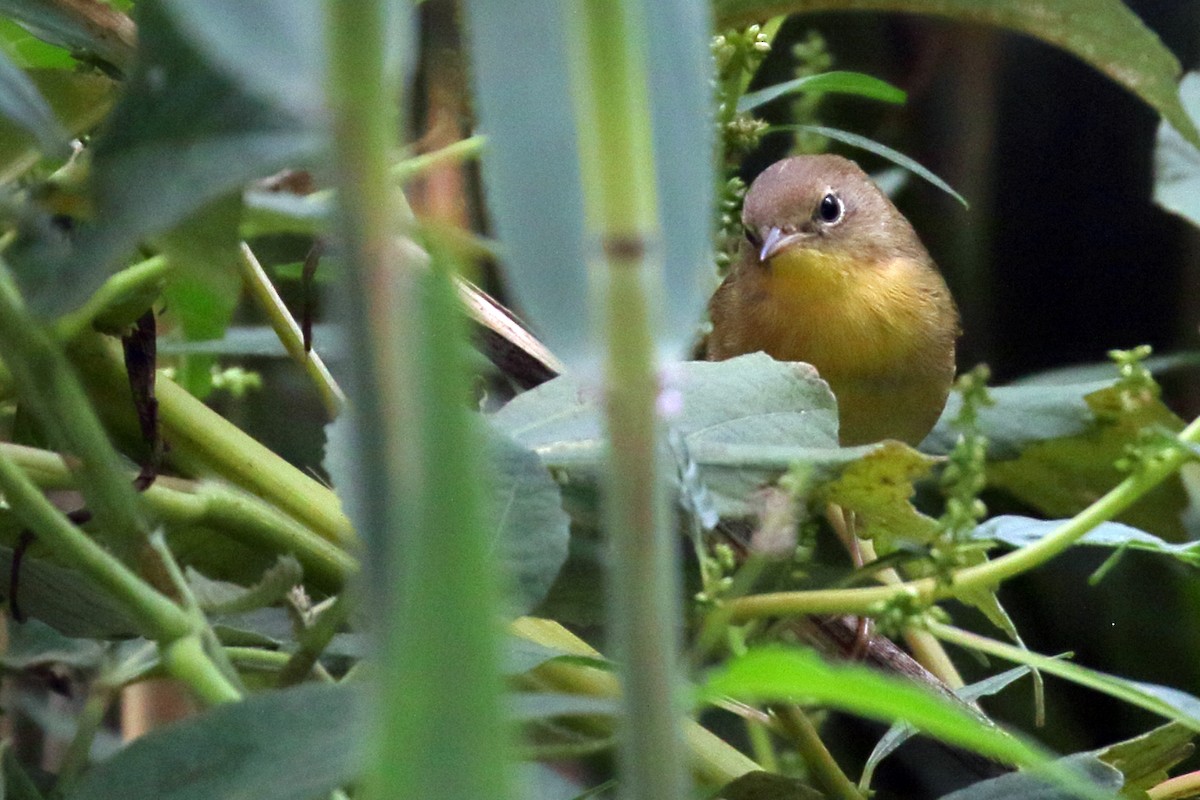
(1104, 33)
(741, 422)
(286, 744)
(527, 519)
(1032, 787)
(836, 82)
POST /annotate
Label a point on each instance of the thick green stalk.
(622, 216)
(988, 575)
(240, 516)
(158, 617)
(203, 443)
(715, 762)
(438, 727)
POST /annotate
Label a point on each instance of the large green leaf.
(290, 744)
(1017, 531)
(742, 422)
(528, 520)
(792, 674)
(182, 135)
(1104, 33)
(65, 599)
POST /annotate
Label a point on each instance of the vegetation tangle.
(423, 549)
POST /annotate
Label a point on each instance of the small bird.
(831, 273)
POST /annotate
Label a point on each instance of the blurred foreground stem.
(437, 727)
(613, 123)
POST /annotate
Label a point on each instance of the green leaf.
(530, 526)
(181, 137)
(219, 597)
(878, 488)
(743, 422)
(779, 673)
(204, 284)
(1031, 787)
(34, 643)
(1061, 476)
(65, 599)
(901, 732)
(1017, 531)
(1177, 161)
(836, 82)
(881, 150)
(1106, 34)
(283, 745)
(1022, 415)
(1146, 759)
(21, 102)
(525, 106)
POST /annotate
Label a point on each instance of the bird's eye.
(753, 238)
(831, 209)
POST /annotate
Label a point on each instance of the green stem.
(613, 125)
(237, 515)
(984, 576)
(185, 659)
(313, 641)
(144, 278)
(714, 761)
(53, 395)
(79, 751)
(203, 443)
(257, 658)
(156, 616)
(816, 755)
(285, 327)
(462, 150)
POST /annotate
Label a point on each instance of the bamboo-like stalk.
(438, 729)
(622, 219)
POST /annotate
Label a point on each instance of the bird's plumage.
(858, 297)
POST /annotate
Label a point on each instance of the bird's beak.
(774, 241)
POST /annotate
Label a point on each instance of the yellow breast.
(881, 334)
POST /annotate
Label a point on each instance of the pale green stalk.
(616, 154)
(437, 727)
(288, 331)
